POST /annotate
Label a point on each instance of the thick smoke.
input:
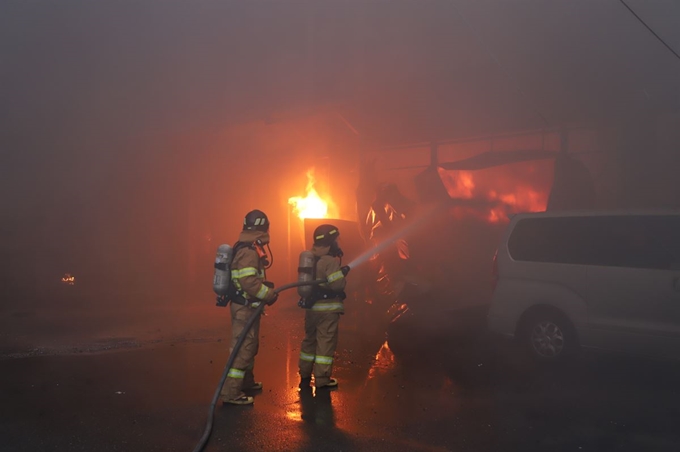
(135, 135)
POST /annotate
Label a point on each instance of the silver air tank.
(306, 273)
(222, 278)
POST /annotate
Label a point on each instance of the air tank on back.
(222, 276)
(306, 273)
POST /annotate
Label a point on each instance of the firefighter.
(322, 310)
(248, 277)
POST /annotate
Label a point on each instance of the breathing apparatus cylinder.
(306, 273)
(222, 277)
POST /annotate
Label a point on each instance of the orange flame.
(509, 195)
(312, 205)
(525, 199)
(68, 279)
(462, 186)
(383, 362)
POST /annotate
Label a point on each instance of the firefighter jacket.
(328, 268)
(247, 269)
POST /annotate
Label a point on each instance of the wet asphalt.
(443, 385)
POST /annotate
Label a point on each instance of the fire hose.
(211, 413)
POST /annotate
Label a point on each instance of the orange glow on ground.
(311, 205)
(294, 415)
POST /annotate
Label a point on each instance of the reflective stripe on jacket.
(328, 268)
(247, 270)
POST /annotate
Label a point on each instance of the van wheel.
(549, 337)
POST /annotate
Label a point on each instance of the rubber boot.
(257, 386)
(332, 384)
(241, 400)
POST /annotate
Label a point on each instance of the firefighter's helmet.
(256, 220)
(325, 235)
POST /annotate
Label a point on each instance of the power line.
(650, 29)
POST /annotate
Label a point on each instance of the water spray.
(359, 260)
(402, 232)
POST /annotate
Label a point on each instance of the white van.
(605, 280)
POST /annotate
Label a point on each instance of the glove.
(272, 299)
(345, 270)
(222, 301)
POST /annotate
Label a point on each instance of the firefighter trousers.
(240, 374)
(318, 346)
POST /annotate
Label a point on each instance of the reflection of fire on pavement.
(68, 279)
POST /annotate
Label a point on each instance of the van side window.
(651, 241)
(646, 242)
(567, 240)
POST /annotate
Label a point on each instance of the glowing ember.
(312, 205)
(68, 279)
